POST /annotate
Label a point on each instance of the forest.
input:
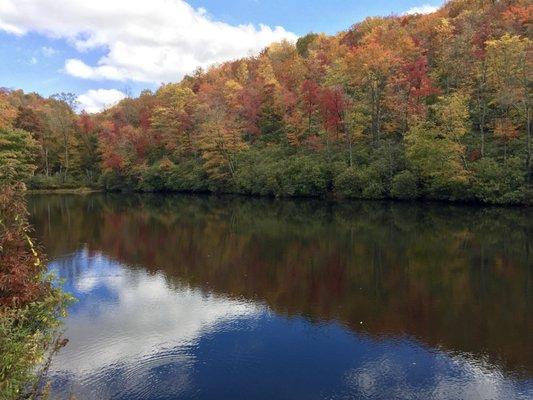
(432, 106)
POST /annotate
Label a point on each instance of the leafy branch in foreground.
(30, 304)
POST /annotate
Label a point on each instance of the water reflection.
(130, 322)
(197, 297)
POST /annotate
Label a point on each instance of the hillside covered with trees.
(430, 106)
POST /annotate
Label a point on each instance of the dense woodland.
(430, 106)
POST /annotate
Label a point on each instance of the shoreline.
(329, 197)
(81, 190)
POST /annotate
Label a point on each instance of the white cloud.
(79, 69)
(48, 51)
(96, 100)
(33, 61)
(423, 9)
(148, 41)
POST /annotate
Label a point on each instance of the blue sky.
(303, 16)
(104, 48)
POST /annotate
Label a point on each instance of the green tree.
(62, 123)
(433, 147)
(29, 120)
(509, 65)
(17, 149)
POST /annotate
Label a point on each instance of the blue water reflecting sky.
(138, 335)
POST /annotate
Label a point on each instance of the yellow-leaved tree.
(433, 147)
(509, 67)
(173, 118)
(220, 141)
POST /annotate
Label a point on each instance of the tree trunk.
(46, 162)
(309, 122)
(528, 128)
(347, 134)
(482, 106)
(505, 152)
(483, 112)
(66, 156)
(375, 134)
(350, 148)
(390, 161)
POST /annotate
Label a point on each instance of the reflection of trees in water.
(454, 276)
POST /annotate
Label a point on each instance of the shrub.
(498, 182)
(30, 306)
(258, 172)
(187, 176)
(363, 183)
(57, 181)
(127, 180)
(348, 183)
(405, 186)
(112, 181)
(277, 173)
(302, 176)
(155, 177)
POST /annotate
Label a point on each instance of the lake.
(204, 297)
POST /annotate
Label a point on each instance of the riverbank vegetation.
(430, 106)
(30, 305)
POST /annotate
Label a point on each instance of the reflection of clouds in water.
(134, 335)
(480, 383)
(92, 272)
(144, 324)
(467, 381)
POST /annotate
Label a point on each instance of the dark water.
(231, 298)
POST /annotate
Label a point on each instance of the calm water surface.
(184, 297)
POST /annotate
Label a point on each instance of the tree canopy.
(437, 102)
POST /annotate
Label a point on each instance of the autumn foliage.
(19, 265)
(440, 102)
(30, 306)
